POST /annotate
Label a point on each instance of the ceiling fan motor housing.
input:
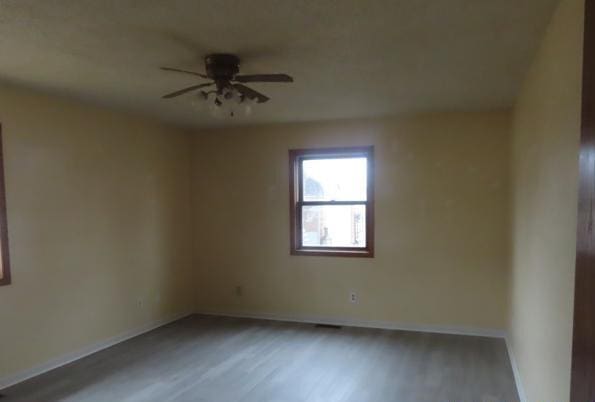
(222, 67)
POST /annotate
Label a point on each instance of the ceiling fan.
(229, 91)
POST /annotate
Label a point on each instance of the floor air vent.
(328, 326)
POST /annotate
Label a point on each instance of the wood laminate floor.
(215, 359)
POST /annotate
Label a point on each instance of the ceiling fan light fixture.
(231, 97)
(229, 102)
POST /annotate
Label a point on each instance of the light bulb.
(216, 110)
(237, 96)
(247, 109)
(228, 108)
(199, 101)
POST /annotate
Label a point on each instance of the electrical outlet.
(140, 302)
(353, 297)
(158, 298)
(239, 291)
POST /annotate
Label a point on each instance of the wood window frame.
(296, 156)
(5, 279)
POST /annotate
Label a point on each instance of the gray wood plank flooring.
(215, 359)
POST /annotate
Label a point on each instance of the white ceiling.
(349, 58)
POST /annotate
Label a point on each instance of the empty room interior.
(321, 201)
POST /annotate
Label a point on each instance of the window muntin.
(331, 194)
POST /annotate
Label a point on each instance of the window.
(331, 195)
(4, 261)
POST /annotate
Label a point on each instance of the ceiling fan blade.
(263, 78)
(183, 91)
(177, 70)
(250, 93)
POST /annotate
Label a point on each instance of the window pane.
(334, 226)
(341, 179)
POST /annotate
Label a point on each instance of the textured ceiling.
(350, 58)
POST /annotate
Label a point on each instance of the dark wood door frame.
(583, 345)
(5, 267)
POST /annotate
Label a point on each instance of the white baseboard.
(13, 379)
(515, 371)
(347, 322)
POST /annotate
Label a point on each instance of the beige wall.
(545, 168)
(441, 223)
(97, 211)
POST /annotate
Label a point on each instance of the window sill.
(333, 253)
